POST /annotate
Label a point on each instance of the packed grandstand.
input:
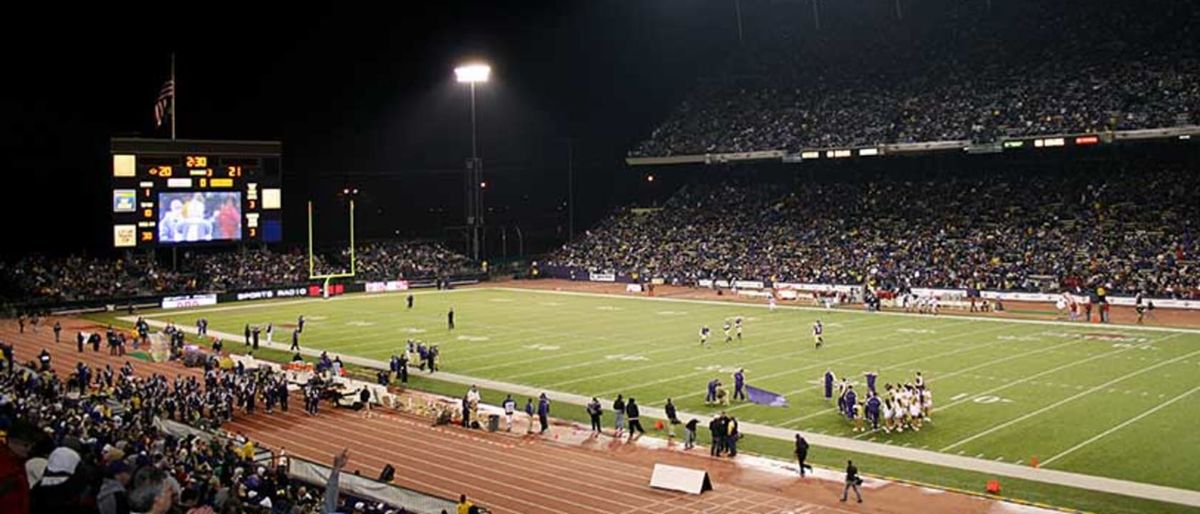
(948, 70)
(65, 279)
(1005, 231)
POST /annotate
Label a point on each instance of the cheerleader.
(914, 411)
(927, 404)
(886, 412)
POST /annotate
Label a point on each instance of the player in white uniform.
(737, 323)
(818, 331)
(771, 302)
(727, 327)
(927, 404)
(885, 412)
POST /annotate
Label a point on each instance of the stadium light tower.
(472, 74)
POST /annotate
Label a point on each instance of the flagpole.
(174, 95)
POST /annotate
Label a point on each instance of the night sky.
(360, 95)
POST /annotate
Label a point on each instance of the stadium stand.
(948, 70)
(105, 448)
(1009, 230)
(51, 280)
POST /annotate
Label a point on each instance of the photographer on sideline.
(852, 481)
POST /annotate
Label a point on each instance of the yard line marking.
(1052, 370)
(705, 355)
(1131, 421)
(950, 374)
(894, 366)
(1066, 400)
(633, 341)
(788, 371)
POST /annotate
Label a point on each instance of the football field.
(1101, 400)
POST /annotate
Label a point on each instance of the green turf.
(1003, 390)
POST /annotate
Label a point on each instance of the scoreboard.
(192, 192)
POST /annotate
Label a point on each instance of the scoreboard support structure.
(326, 278)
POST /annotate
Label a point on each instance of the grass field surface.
(1101, 400)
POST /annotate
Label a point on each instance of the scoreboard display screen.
(193, 192)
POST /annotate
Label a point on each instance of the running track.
(516, 474)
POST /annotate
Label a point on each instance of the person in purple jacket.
(851, 399)
(739, 384)
(544, 412)
(872, 410)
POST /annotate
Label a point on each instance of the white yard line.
(1047, 372)
(705, 354)
(942, 376)
(1128, 422)
(1066, 400)
(892, 366)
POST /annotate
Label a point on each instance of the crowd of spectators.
(952, 70)
(91, 443)
(400, 261)
(55, 280)
(1129, 232)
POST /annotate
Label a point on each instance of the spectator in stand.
(1083, 230)
(955, 72)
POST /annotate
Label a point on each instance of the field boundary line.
(1124, 424)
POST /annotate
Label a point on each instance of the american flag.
(160, 107)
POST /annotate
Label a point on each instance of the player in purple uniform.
(848, 402)
(873, 411)
(871, 376)
(739, 385)
(711, 396)
(818, 330)
(829, 380)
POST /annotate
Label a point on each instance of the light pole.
(472, 74)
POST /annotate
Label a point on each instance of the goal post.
(312, 264)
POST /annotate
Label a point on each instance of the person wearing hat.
(112, 498)
(60, 490)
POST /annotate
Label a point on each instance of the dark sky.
(360, 94)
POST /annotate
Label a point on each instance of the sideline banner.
(191, 300)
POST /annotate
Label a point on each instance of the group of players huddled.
(903, 406)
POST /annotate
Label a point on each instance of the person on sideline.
(802, 454)
(852, 481)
